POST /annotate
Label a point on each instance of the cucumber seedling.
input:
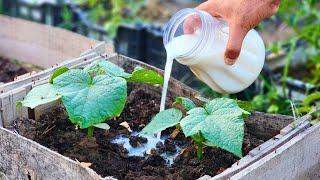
(91, 95)
(219, 123)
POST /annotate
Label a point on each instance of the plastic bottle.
(203, 51)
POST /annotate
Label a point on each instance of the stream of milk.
(176, 47)
(167, 74)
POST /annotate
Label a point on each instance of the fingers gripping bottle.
(198, 40)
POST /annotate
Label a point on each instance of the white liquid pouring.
(167, 74)
(175, 48)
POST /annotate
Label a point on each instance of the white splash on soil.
(140, 150)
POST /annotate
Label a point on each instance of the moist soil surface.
(9, 70)
(55, 131)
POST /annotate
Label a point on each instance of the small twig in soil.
(174, 134)
(48, 130)
(126, 125)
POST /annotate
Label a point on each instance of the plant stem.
(90, 132)
(200, 151)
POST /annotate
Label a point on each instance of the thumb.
(233, 49)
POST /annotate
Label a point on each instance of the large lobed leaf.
(187, 103)
(162, 121)
(146, 76)
(57, 73)
(220, 122)
(139, 75)
(88, 100)
(39, 95)
(43, 94)
(103, 67)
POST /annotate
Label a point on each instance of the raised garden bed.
(110, 159)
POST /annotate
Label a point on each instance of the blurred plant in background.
(112, 13)
(67, 17)
(303, 16)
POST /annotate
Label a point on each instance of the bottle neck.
(204, 32)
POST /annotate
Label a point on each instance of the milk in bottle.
(203, 51)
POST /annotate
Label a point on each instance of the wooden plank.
(22, 158)
(18, 112)
(295, 124)
(6, 110)
(9, 111)
(25, 75)
(263, 150)
(1, 118)
(40, 44)
(45, 108)
(297, 159)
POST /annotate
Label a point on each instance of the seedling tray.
(23, 158)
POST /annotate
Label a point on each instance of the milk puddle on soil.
(142, 148)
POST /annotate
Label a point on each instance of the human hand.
(241, 16)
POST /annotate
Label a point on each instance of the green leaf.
(187, 103)
(103, 67)
(146, 76)
(104, 126)
(246, 105)
(274, 108)
(193, 124)
(311, 98)
(197, 111)
(198, 138)
(88, 100)
(162, 121)
(39, 95)
(220, 123)
(224, 104)
(57, 73)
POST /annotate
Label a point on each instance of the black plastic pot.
(130, 41)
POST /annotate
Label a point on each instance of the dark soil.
(56, 132)
(9, 70)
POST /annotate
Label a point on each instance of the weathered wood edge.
(297, 159)
(265, 148)
(30, 160)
